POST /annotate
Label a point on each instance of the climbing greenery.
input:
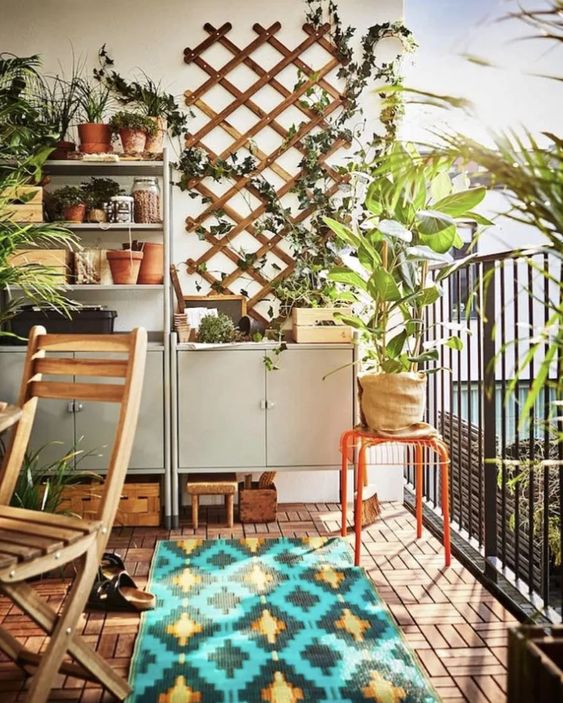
(316, 194)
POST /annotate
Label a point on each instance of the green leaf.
(382, 285)
(457, 204)
(427, 254)
(479, 219)
(432, 221)
(442, 241)
(428, 296)
(440, 186)
(392, 228)
(341, 231)
(342, 274)
(395, 345)
(454, 343)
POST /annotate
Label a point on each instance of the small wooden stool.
(212, 485)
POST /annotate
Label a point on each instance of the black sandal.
(111, 565)
(120, 594)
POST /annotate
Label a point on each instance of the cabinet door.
(97, 422)
(307, 415)
(221, 420)
(53, 427)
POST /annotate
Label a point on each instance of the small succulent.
(216, 330)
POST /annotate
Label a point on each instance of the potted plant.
(97, 193)
(133, 129)
(58, 103)
(408, 219)
(124, 265)
(148, 96)
(94, 133)
(216, 329)
(68, 204)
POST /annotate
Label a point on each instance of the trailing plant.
(41, 483)
(310, 240)
(94, 101)
(408, 219)
(133, 120)
(64, 197)
(98, 191)
(217, 329)
(144, 93)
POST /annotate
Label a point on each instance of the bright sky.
(503, 97)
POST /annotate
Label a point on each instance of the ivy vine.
(308, 237)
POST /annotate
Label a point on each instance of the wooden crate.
(59, 259)
(27, 205)
(257, 504)
(308, 327)
(139, 504)
(535, 664)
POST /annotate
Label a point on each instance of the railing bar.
(532, 437)
(516, 401)
(503, 407)
(455, 512)
(468, 339)
(546, 452)
(459, 405)
(480, 397)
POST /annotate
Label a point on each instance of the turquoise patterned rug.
(271, 621)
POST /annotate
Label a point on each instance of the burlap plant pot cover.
(392, 401)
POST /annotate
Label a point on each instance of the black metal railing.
(506, 475)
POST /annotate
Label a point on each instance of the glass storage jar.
(146, 197)
(122, 209)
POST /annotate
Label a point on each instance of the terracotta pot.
(74, 213)
(392, 401)
(155, 145)
(124, 266)
(133, 141)
(152, 265)
(62, 150)
(94, 138)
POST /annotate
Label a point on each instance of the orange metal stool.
(362, 439)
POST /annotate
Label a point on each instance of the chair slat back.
(127, 394)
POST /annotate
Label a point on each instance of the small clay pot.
(152, 265)
(94, 138)
(74, 213)
(124, 265)
(62, 150)
(155, 144)
(97, 214)
(133, 141)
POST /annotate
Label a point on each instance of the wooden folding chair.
(33, 543)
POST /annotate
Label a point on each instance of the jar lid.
(145, 179)
(122, 198)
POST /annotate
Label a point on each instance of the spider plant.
(60, 102)
(94, 102)
(41, 483)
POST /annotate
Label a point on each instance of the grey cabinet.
(90, 426)
(221, 420)
(233, 413)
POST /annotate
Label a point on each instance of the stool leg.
(230, 505)
(445, 491)
(195, 511)
(344, 443)
(358, 509)
(419, 478)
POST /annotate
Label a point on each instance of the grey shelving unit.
(134, 300)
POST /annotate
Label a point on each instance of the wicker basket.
(139, 504)
(257, 504)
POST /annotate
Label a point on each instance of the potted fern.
(409, 219)
(94, 132)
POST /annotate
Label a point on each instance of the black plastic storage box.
(83, 321)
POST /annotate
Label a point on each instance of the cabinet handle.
(70, 406)
(270, 405)
(78, 407)
(263, 404)
(74, 407)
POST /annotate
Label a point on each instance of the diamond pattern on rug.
(269, 621)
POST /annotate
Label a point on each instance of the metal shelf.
(93, 287)
(78, 167)
(112, 226)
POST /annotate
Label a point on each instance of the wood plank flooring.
(455, 625)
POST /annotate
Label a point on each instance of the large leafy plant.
(409, 220)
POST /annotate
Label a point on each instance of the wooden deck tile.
(456, 627)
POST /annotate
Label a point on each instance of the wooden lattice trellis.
(291, 98)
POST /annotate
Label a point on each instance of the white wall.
(152, 35)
